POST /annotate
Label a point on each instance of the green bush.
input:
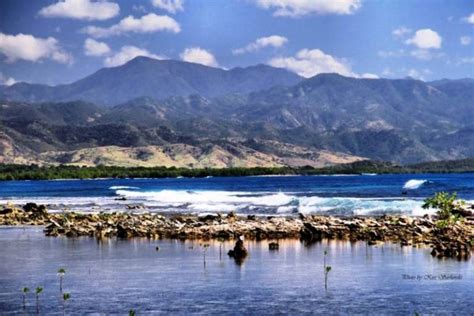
(446, 204)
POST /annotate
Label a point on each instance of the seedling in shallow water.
(38, 292)
(326, 272)
(25, 291)
(61, 273)
(66, 297)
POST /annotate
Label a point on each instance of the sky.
(55, 42)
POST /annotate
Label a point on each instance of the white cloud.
(425, 39)
(199, 56)
(401, 32)
(95, 48)
(146, 24)
(81, 10)
(6, 81)
(368, 75)
(28, 47)
(296, 8)
(469, 19)
(465, 40)
(126, 54)
(387, 72)
(414, 74)
(262, 42)
(172, 6)
(308, 63)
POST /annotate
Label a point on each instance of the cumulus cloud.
(146, 24)
(465, 40)
(401, 32)
(425, 39)
(414, 74)
(368, 75)
(28, 47)
(262, 42)
(126, 54)
(310, 62)
(469, 19)
(81, 10)
(297, 8)
(95, 48)
(6, 81)
(172, 6)
(199, 56)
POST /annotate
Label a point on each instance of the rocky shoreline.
(455, 241)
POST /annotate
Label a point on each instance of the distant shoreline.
(366, 167)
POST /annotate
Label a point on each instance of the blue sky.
(57, 42)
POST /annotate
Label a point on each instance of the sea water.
(366, 194)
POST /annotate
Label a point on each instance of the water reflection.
(113, 276)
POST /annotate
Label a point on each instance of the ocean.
(367, 194)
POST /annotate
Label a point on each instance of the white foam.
(123, 187)
(413, 184)
(208, 197)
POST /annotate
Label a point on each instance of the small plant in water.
(131, 313)
(61, 273)
(25, 291)
(66, 297)
(326, 271)
(38, 292)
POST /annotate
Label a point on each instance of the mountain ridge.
(401, 120)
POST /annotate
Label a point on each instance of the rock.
(157, 248)
(273, 246)
(6, 211)
(239, 250)
(123, 232)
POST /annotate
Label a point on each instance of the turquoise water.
(114, 276)
(279, 195)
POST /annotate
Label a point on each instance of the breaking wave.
(123, 187)
(270, 203)
(413, 184)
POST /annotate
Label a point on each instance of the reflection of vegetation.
(205, 246)
(25, 291)
(38, 292)
(446, 206)
(66, 297)
(34, 172)
(61, 273)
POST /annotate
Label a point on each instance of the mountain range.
(151, 112)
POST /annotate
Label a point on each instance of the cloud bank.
(199, 56)
(30, 48)
(262, 42)
(297, 8)
(81, 10)
(149, 23)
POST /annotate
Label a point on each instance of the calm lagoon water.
(114, 276)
